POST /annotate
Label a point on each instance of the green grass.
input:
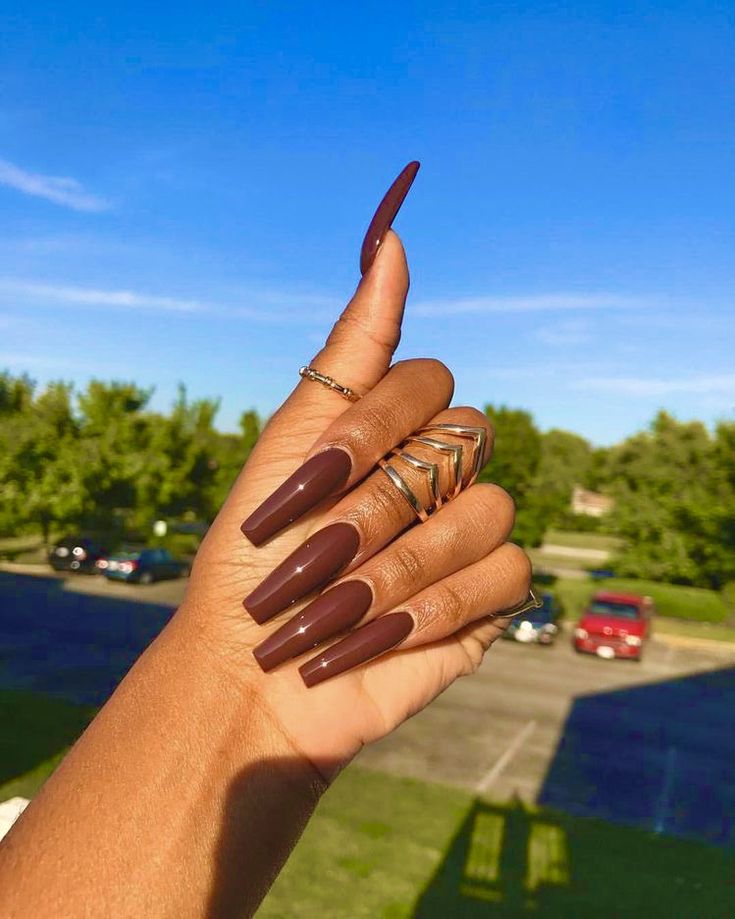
(574, 540)
(545, 560)
(27, 548)
(382, 847)
(694, 629)
(672, 600)
(35, 732)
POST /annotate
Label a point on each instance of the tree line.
(102, 460)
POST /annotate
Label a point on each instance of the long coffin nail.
(310, 566)
(386, 214)
(315, 480)
(362, 645)
(334, 611)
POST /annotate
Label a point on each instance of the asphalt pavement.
(648, 743)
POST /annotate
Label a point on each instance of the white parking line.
(496, 770)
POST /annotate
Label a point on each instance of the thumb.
(360, 346)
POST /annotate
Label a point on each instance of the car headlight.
(634, 640)
(581, 633)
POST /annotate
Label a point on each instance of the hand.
(430, 590)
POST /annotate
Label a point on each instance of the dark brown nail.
(386, 214)
(362, 645)
(310, 566)
(336, 610)
(316, 479)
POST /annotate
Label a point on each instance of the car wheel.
(146, 578)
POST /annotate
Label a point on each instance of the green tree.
(566, 461)
(675, 503)
(514, 466)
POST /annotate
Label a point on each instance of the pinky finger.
(423, 673)
(496, 583)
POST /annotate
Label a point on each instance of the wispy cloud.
(642, 386)
(61, 190)
(529, 304)
(566, 332)
(91, 296)
(260, 305)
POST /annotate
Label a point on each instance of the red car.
(614, 625)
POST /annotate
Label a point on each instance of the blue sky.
(183, 193)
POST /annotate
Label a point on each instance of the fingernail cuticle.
(386, 214)
(319, 477)
(333, 612)
(360, 646)
(309, 567)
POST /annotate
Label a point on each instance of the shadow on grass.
(512, 860)
(36, 731)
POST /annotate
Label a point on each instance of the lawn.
(382, 846)
(35, 732)
(576, 540)
(27, 548)
(672, 600)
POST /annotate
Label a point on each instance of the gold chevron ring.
(453, 453)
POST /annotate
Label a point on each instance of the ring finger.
(379, 509)
(497, 583)
(470, 528)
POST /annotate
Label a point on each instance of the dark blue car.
(142, 566)
(537, 626)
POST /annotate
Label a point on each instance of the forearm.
(182, 798)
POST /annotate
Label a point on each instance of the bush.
(693, 603)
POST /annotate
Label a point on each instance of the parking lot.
(650, 743)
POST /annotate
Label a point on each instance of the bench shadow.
(512, 860)
(636, 815)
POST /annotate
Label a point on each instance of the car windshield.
(128, 552)
(612, 608)
(544, 614)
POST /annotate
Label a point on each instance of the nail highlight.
(362, 645)
(310, 566)
(338, 609)
(316, 479)
(386, 214)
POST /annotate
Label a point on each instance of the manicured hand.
(317, 585)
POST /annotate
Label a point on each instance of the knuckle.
(407, 564)
(376, 426)
(432, 370)
(471, 416)
(474, 653)
(494, 503)
(450, 603)
(386, 504)
(349, 326)
(519, 566)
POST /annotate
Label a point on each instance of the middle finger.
(469, 529)
(373, 514)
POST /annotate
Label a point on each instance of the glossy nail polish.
(309, 567)
(360, 646)
(386, 214)
(316, 479)
(338, 609)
